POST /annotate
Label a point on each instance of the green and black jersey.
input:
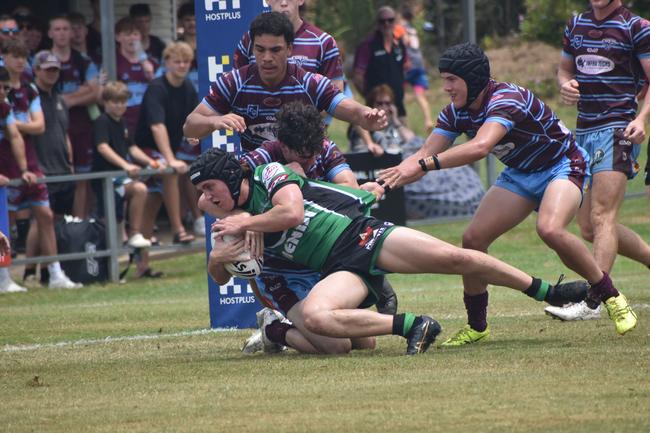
(329, 210)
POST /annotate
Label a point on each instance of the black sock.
(538, 289)
(402, 323)
(28, 272)
(476, 307)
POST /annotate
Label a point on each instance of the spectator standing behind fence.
(313, 49)
(416, 74)
(167, 102)
(187, 21)
(53, 148)
(114, 150)
(78, 86)
(381, 59)
(79, 35)
(140, 13)
(134, 67)
(14, 163)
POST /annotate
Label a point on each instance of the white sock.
(55, 270)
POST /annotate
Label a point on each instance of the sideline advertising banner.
(220, 24)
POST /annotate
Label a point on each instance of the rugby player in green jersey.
(323, 226)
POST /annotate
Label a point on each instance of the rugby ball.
(244, 267)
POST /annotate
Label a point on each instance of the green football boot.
(466, 335)
(621, 313)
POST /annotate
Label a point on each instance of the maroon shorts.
(26, 196)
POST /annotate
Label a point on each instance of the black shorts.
(356, 251)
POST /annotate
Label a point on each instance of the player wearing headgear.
(303, 145)
(323, 226)
(605, 60)
(545, 171)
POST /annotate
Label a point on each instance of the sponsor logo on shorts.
(591, 64)
(365, 236)
(599, 155)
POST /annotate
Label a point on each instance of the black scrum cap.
(218, 164)
(469, 63)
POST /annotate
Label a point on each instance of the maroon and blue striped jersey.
(536, 137)
(606, 55)
(313, 50)
(241, 91)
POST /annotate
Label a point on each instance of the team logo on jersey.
(592, 64)
(252, 110)
(298, 60)
(608, 43)
(576, 41)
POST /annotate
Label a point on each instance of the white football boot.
(570, 312)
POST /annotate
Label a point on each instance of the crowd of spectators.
(76, 121)
(59, 115)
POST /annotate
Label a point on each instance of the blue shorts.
(609, 151)
(574, 167)
(418, 77)
(284, 288)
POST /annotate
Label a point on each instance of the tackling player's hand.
(375, 119)
(569, 92)
(230, 121)
(635, 131)
(401, 174)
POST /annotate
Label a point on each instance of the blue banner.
(4, 212)
(220, 24)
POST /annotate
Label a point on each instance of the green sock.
(402, 323)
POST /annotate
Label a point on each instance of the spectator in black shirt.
(115, 151)
(166, 103)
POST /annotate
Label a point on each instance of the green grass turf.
(534, 375)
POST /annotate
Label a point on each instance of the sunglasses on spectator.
(8, 31)
(5, 87)
(386, 20)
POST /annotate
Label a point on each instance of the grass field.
(77, 361)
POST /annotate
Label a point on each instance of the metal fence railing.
(114, 246)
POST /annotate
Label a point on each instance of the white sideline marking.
(89, 342)
(106, 340)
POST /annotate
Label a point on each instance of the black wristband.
(423, 165)
(387, 189)
(435, 161)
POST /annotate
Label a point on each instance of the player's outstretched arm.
(203, 121)
(368, 118)
(409, 170)
(475, 149)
